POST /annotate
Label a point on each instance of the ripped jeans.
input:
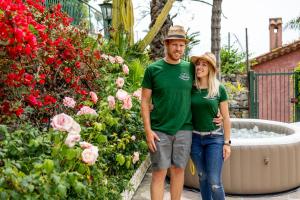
(207, 155)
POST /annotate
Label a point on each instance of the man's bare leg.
(158, 184)
(176, 182)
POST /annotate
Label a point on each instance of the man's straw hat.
(209, 57)
(176, 32)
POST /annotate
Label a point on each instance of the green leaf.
(128, 163)
(82, 168)
(79, 187)
(101, 139)
(120, 159)
(48, 165)
(32, 29)
(56, 179)
(37, 166)
(33, 143)
(99, 126)
(62, 190)
(3, 129)
(71, 154)
(1, 12)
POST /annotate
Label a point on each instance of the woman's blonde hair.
(213, 82)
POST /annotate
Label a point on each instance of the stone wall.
(238, 96)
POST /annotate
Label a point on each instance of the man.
(168, 83)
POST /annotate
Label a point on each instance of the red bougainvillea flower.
(19, 111)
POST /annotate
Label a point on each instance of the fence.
(82, 13)
(273, 96)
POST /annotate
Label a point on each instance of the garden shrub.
(51, 69)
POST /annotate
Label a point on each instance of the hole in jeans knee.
(215, 187)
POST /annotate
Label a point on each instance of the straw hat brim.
(176, 38)
(194, 59)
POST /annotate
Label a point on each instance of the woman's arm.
(227, 126)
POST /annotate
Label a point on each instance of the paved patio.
(143, 193)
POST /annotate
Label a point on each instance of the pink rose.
(121, 94)
(111, 59)
(85, 145)
(94, 97)
(90, 155)
(72, 139)
(135, 157)
(125, 69)
(120, 82)
(86, 110)
(127, 104)
(69, 102)
(104, 56)
(111, 102)
(75, 128)
(119, 59)
(62, 122)
(138, 94)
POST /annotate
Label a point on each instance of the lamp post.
(106, 9)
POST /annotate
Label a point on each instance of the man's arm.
(145, 108)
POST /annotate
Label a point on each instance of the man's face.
(175, 49)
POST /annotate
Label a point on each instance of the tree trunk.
(215, 30)
(157, 26)
(157, 44)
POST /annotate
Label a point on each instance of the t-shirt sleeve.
(147, 80)
(223, 93)
(192, 70)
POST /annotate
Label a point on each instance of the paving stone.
(143, 193)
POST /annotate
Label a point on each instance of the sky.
(240, 14)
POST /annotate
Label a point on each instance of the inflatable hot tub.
(259, 165)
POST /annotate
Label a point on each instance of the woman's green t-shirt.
(205, 109)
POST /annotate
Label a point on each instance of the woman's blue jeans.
(207, 155)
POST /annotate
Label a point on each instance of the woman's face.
(201, 68)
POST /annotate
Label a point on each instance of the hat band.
(177, 36)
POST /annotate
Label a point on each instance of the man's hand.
(218, 120)
(151, 137)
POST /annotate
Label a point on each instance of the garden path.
(143, 193)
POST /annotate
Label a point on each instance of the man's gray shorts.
(172, 150)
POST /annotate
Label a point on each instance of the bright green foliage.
(232, 89)
(193, 41)
(294, 24)
(232, 61)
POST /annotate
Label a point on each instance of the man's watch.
(227, 142)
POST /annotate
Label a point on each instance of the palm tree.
(215, 29)
(294, 24)
(156, 46)
(141, 46)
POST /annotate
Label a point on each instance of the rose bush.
(71, 132)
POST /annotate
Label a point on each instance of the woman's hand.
(226, 151)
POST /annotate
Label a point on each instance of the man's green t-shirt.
(205, 109)
(171, 86)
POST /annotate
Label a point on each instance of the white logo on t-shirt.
(184, 76)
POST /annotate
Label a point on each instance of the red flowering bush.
(42, 60)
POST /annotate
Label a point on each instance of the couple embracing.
(185, 122)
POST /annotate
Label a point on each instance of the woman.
(211, 144)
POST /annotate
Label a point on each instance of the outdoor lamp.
(106, 9)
